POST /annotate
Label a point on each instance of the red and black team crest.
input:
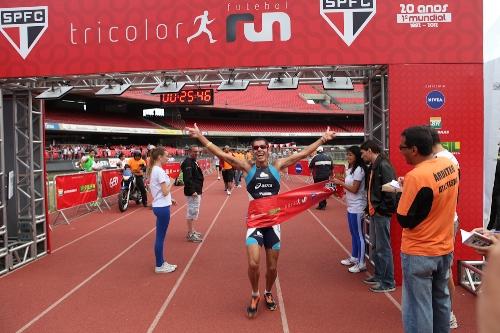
(348, 17)
(24, 26)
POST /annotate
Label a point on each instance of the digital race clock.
(189, 97)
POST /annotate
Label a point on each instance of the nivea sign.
(435, 99)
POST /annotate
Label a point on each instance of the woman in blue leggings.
(160, 186)
(356, 200)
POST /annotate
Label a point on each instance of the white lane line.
(165, 304)
(284, 320)
(96, 230)
(81, 284)
(389, 296)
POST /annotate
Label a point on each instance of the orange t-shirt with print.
(434, 235)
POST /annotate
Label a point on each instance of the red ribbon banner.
(269, 211)
(76, 189)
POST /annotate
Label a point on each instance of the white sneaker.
(349, 261)
(357, 268)
(228, 192)
(239, 186)
(453, 321)
(218, 178)
(165, 268)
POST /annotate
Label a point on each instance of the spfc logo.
(24, 26)
(348, 17)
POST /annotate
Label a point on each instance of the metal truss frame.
(208, 77)
(30, 177)
(29, 165)
(376, 107)
(470, 275)
(4, 262)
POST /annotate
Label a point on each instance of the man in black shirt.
(321, 166)
(193, 186)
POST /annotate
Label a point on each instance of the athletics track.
(100, 276)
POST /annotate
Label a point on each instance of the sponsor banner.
(203, 164)
(172, 169)
(454, 109)
(339, 171)
(92, 36)
(74, 190)
(300, 168)
(110, 182)
(266, 212)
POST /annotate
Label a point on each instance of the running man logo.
(266, 35)
(348, 17)
(24, 26)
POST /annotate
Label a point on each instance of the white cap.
(319, 149)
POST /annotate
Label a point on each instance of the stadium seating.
(99, 119)
(272, 127)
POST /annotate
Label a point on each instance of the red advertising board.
(203, 164)
(172, 169)
(76, 189)
(95, 36)
(111, 181)
(450, 99)
(300, 168)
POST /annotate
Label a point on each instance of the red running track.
(100, 277)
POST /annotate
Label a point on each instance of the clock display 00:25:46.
(189, 97)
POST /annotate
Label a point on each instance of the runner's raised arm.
(284, 163)
(239, 164)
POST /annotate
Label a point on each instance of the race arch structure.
(421, 62)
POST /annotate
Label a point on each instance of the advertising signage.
(56, 37)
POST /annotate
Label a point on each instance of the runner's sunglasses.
(263, 147)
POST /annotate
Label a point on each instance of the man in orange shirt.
(426, 212)
(227, 172)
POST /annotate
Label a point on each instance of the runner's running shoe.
(270, 303)
(253, 307)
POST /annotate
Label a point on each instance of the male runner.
(262, 179)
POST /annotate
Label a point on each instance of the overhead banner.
(172, 169)
(54, 37)
(74, 190)
(269, 211)
(300, 168)
(448, 98)
(111, 181)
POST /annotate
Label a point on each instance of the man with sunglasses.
(263, 180)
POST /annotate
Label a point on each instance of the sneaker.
(239, 186)
(381, 289)
(357, 268)
(253, 307)
(228, 192)
(165, 268)
(199, 234)
(349, 261)
(371, 280)
(270, 303)
(453, 321)
(218, 178)
(192, 237)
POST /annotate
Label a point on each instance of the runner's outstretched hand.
(193, 132)
(328, 135)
